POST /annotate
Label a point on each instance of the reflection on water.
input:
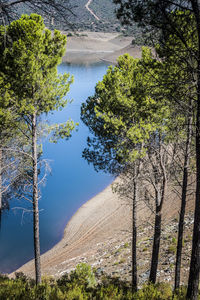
(71, 183)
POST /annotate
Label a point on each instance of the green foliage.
(172, 249)
(159, 291)
(178, 69)
(181, 293)
(29, 58)
(123, 114)
(126, 245)
(83, 276)
(109, 292)
(15, 289)
(74, 286)
(174, 241)
(76, 293)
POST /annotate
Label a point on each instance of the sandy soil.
(93, 47)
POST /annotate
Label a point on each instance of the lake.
(71, 183)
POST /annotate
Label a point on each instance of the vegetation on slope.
(80, 18)
(83, 283)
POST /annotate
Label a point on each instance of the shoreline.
(91, 225)
(93, 47)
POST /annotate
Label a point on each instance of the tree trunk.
(35, 202)
(183, 205)
(0, 180)
(134, 238)
(156, 245)
(1, 154)
(193, 281)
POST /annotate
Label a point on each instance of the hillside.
(92, 15)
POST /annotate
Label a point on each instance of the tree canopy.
(123, 114)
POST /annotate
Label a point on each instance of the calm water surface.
(71, 183)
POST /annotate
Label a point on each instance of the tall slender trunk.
(35, 202)
(159, 201)
(183, 205)
(1, 154)
(134, 237)
(0, 180)
(193, 281)
(156, 245)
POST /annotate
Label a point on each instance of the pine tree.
(30, 55)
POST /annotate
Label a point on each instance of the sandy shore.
(94, 47)
(99, 220)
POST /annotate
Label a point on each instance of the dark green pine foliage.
(29, 58)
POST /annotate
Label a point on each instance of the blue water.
(71, 183)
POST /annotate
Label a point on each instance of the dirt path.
(90, 11)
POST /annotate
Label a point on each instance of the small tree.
(30, 55)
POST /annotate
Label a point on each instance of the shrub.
(159, 291)
(172, 249)
(16, 290)
(76, 294)
(81, 284)
(83, 275)
(109, 292)
(181, 293)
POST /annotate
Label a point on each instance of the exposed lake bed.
(92, 47)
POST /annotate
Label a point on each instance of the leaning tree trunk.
(156, 245)
(134, 238)
(193, 281)
(183, 205)
(35, 202)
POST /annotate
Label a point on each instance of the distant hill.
(105, 19)
(92, 15)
